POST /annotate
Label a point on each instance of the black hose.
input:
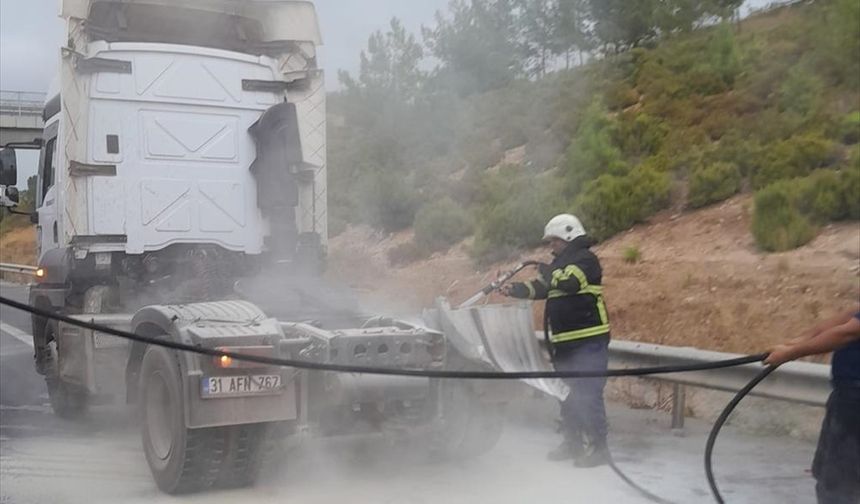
(341, 368)
(718, 425)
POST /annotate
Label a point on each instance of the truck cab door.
(47, 200)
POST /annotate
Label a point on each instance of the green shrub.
(772, 126)
(681, 142)
(801, 91)
(389, 202)
(660, 162)
(724, 49)
(654, 79)
(820, 196)
(795, 157)
(717, 124)
(441, 224)
(632, 255)
(850, 184)
(593, 152)
(621, 95)
(838, 42)
(849, 128)
(704, 80)
(713, 183)
(719, 66)
(641, 134)
(513, 212)
(612, 204)
(744, 153)
(787, 211)
(777, 224)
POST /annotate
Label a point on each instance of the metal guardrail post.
(679, 404)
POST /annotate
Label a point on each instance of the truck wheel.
(67, 400)
(469, 426)
(182, 460)
(245, 453)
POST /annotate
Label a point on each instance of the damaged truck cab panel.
(154, 138)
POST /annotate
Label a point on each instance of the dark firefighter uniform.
(576, 315)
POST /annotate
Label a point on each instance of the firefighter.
(836, 466)
(578, 334)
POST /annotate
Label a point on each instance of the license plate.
(233, 386)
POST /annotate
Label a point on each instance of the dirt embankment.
(18, 246)
(700, 281)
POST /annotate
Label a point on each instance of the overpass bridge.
(20, 116)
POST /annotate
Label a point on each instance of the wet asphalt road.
(45, 460)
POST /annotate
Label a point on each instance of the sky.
(31, 34)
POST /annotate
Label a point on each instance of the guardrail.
(18, 268)
(797, 382)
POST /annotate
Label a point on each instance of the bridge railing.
(21, 103)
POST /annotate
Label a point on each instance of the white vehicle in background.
(182, 194)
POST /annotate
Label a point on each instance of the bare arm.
(828, 340)
(822, 326)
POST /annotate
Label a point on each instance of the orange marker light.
(40, 273)
(225, 361)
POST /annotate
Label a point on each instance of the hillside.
(700, 281)
(18, 244)
(768, 106)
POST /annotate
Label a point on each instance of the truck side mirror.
(34, 217)
(8, 167)
(12, 195)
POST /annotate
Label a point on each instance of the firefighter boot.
(570, 448)
(594, 455)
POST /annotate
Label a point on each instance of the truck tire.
(68, 401)
(469, 426)
(245, 453)
(181, 460)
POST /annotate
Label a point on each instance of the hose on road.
(442, 374)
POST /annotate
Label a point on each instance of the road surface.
(45, 460)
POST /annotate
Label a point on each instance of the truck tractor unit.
(181, 195)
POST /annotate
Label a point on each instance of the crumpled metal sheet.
(501, 335)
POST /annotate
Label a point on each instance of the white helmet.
(565, 226)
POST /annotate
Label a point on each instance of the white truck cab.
(149, 141)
